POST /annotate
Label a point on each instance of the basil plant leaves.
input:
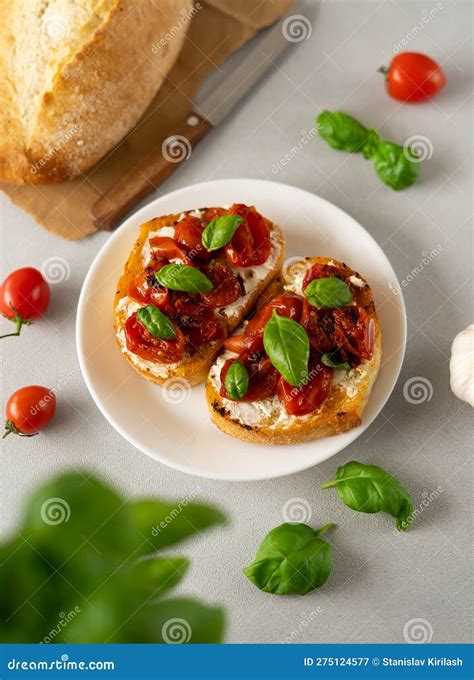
(92, 555)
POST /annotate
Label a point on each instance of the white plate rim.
(140, 216)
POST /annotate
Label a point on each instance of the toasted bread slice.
(193, 368)
(266, 421)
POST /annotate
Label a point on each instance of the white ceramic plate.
(177, 430)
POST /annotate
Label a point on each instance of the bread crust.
(93, 101)
(195, 368)
(341, 411)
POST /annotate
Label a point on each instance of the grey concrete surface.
(380, 581)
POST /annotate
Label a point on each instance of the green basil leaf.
(368, 488)
(330, 292)
(156, 323)
(237, 380)
(334, 360)
(344, 132)
(395, 165)
(287, 345)
(291, 559)
(220, 231)
(183, 277)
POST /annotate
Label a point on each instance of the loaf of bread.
(75, 77)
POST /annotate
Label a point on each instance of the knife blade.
(213, 103)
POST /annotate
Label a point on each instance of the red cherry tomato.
(319, 326)
(143, 344)
(24, 296)
(322, 271)
(263, 376)
(188, 232)
(29, 410)
(240, 343)
(298, 401)
(197, 321)
(414, 77)
(285, 304)
(250, 245)
(146, 290)
(166, 248)
(354, 331)
(226, 289)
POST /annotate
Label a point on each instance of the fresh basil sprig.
(334, 360)
(397, 166)
(237, 380)
(220, 231)
(291, 559)
(342, 131)
(156, 323)
(183, 277)
(329, 292)
(287, 345)
(368, 488)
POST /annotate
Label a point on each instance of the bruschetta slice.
(304, 365)
(190, 280)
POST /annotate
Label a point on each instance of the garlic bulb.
(461, 365)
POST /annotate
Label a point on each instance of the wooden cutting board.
(218, 28)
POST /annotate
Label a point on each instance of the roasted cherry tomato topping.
(240, 343)
(250, 245)
(188, 232)
(263, 377)
(322, 271)
(413, 77)
(319, 326)
(196, 320)
(143, 344)
(166, 248)
(24, 295)
(29, 410)
(354, 331)
(226, 287)
(146, 289)
(299, 401)
(284, 304)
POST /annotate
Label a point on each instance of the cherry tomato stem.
(18, 320)
(11, 429)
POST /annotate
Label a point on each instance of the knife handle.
(146, 176)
